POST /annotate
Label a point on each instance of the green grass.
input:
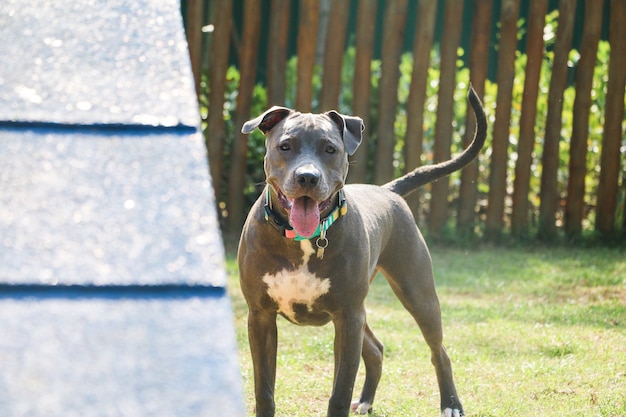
(530, 332)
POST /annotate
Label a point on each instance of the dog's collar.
(288, 231)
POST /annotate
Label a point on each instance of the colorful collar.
(285, 228)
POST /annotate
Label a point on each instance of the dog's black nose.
(307, 176)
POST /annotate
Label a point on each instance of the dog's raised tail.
(410, 182)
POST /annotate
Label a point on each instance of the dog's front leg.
(349, 331)
(262, 335)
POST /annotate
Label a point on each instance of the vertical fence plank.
(277, 52)
(526, 143)
(215, 132)
(453, 22)
(195, 20)
(307, 42)
(502, 124)
(362, 83)
(574, 209)
(247, 65)
(395, 20)
(479, 59)
(614, 116)
(549, 193)
(422, 46)
(333, 54)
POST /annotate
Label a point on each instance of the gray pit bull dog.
(311, 246)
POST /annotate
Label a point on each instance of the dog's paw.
(452, 412)
(360, 408)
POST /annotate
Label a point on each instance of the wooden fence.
(490, 197)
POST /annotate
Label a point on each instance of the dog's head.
(306, 160)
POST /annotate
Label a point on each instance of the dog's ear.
(351, 129)
(267, 120)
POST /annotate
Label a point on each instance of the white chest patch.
(297, 286)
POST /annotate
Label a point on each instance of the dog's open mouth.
(304, 212)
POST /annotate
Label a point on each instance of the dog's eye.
(331, 149)
(284, 146)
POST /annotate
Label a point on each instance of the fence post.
(479, 60)
(575, 206)
(195, 20)
(335, 43)
(422, 46)
(453, 22)
(277, 52)
(549, 193)
(307, 42)
(247, 65)
(362, 83)
(502, 123)
(534, 58)
(395, 20)
(614, 114)
(215, 133)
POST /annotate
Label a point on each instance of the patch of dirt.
(592, 295)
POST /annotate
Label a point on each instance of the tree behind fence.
(527, 140)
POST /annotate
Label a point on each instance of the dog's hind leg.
(373, 359)
(413, 283)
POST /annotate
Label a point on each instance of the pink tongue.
(304, 216)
